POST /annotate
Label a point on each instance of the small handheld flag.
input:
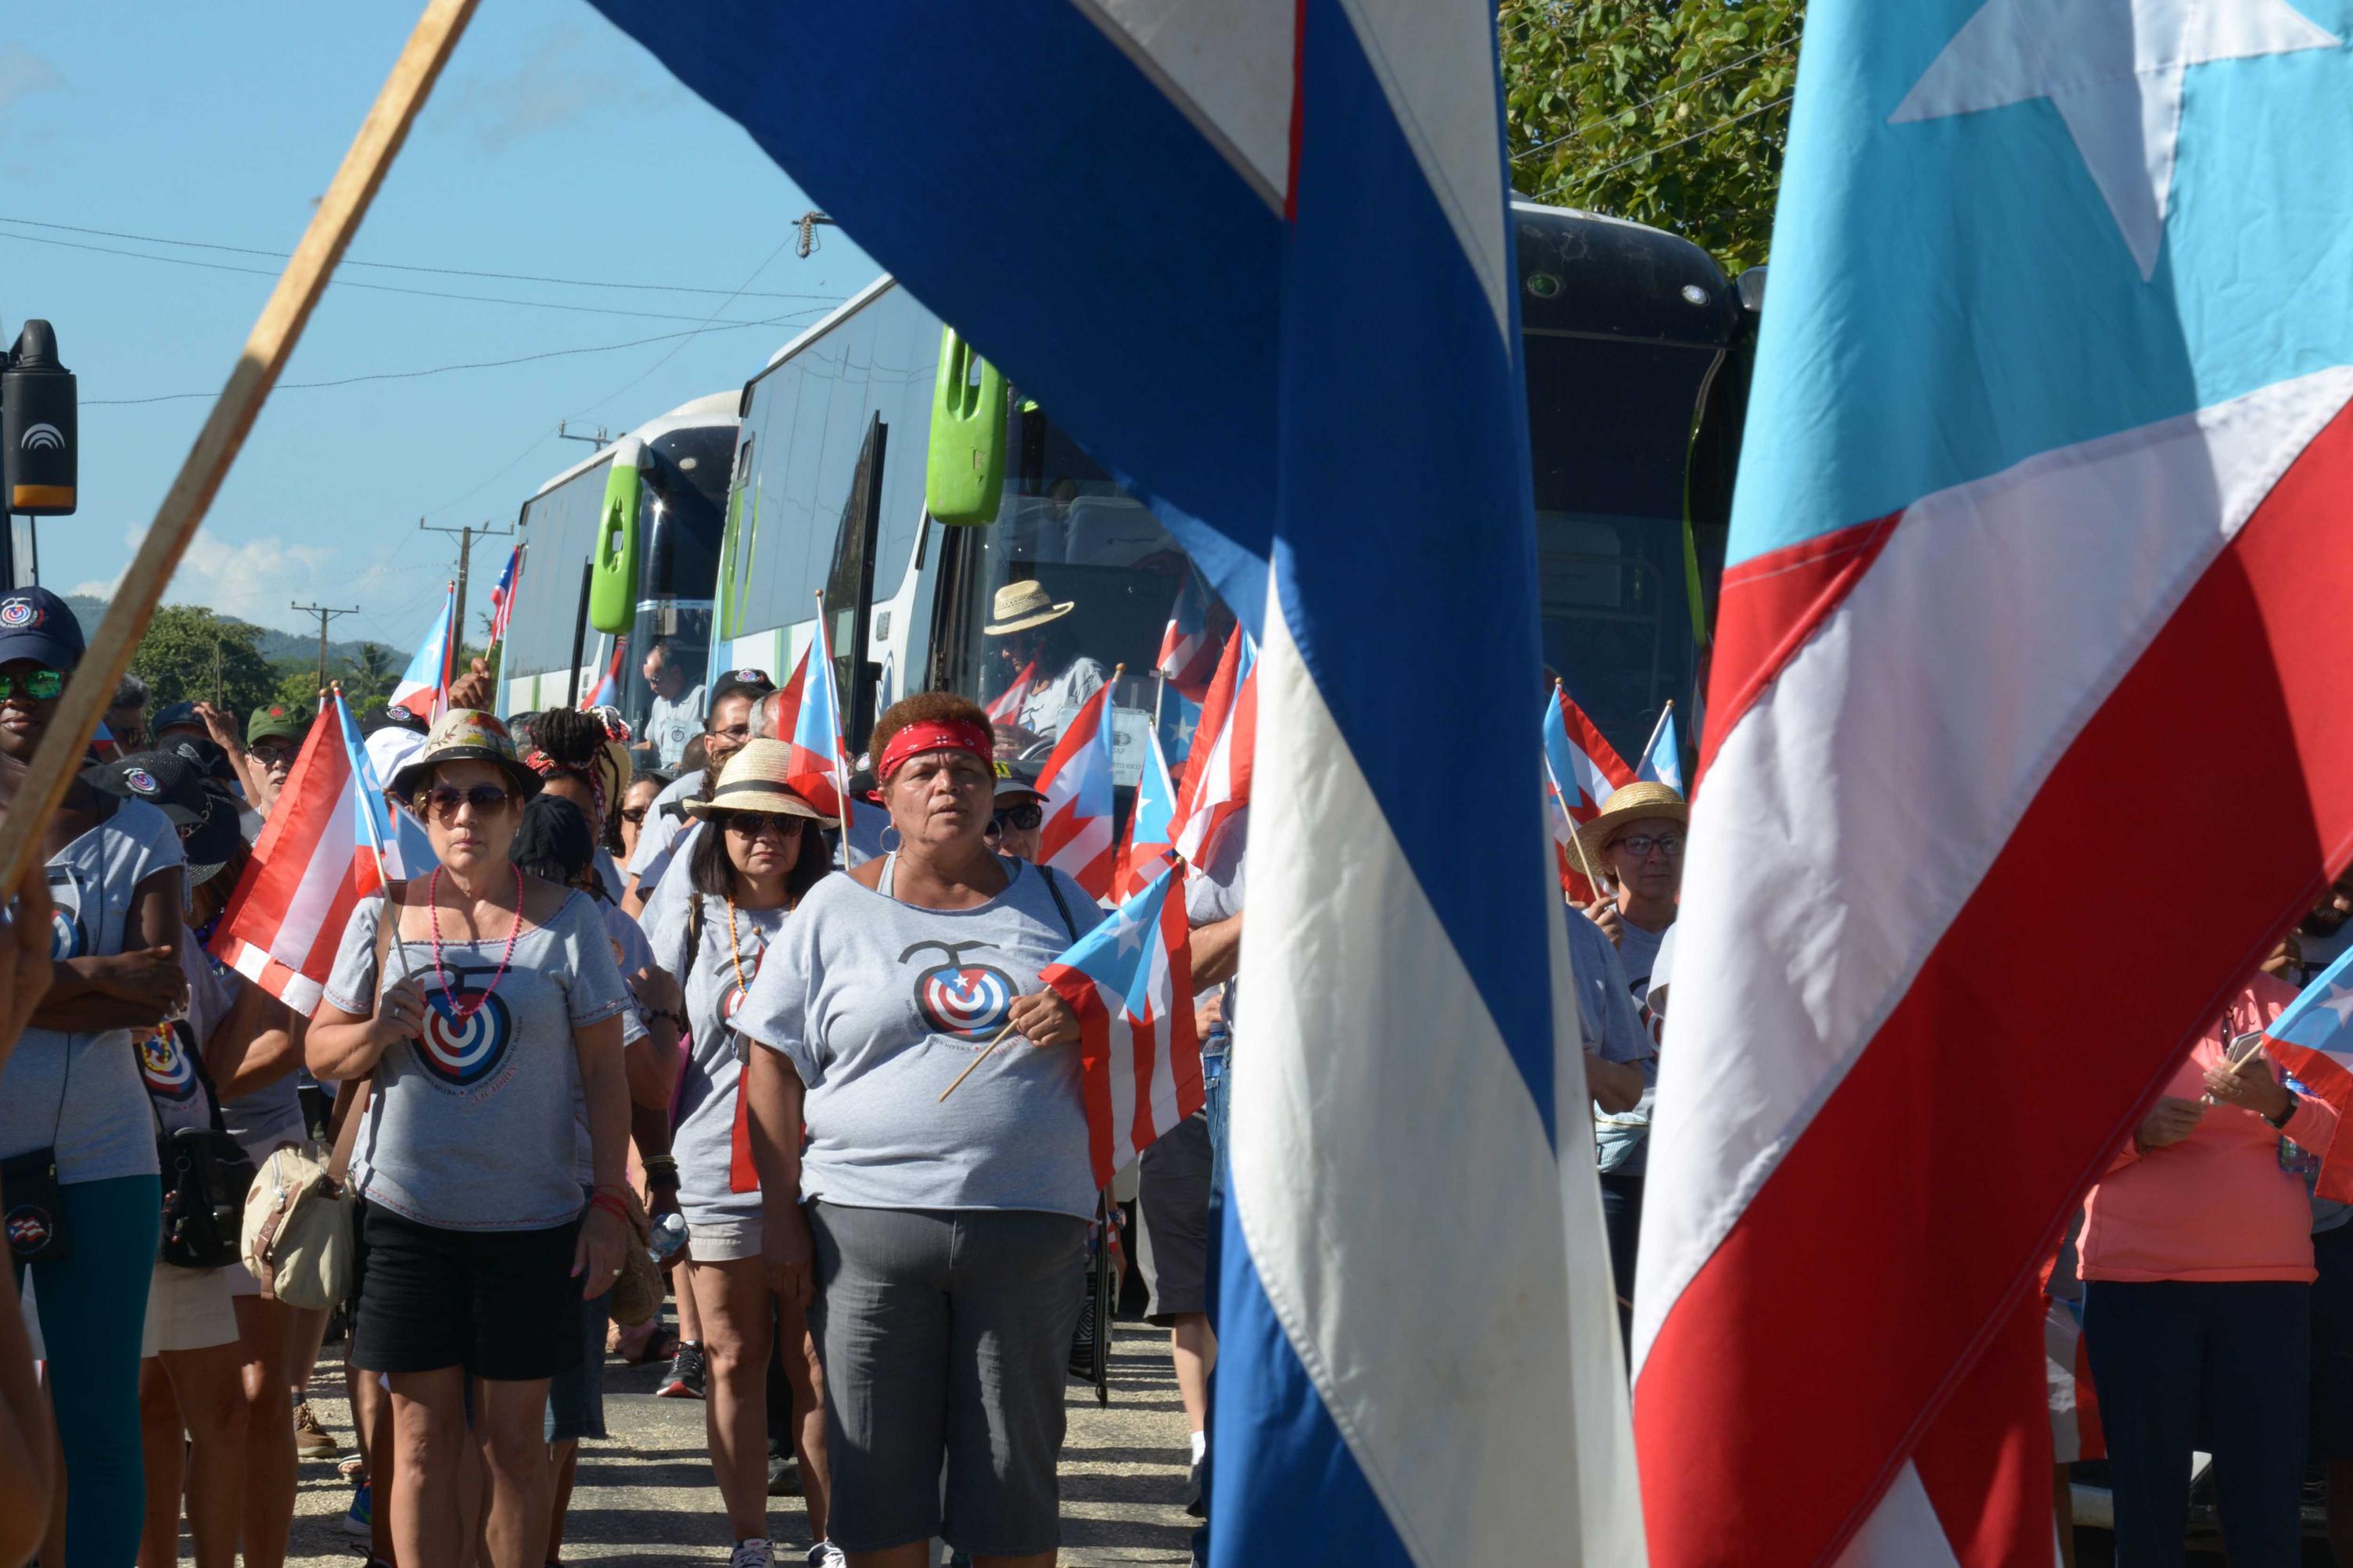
(1189, 659)
(1130, 980)
(815, 770)
(784, 704)
(424, 687)
(1006, 708)
(1076, 837)
(1225, 748)
(502, 596)
(329, 842)
(1150, 844)
(2312, 1041)
(609, 685)
(1662, 759)
(1582, 769)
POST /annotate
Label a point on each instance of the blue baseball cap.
(35, 623)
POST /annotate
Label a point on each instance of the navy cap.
(162, 779)
(752, 683)
(35, 623)
(174, 715)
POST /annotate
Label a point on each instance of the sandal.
(655, 1347)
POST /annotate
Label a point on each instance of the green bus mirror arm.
(613, 580)
(964, 477)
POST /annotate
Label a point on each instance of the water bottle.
(670, 1235)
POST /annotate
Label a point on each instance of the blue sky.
(552, 146)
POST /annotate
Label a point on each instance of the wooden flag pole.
(977, 1061)
(274, 335)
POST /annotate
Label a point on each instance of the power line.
(354, 283)
(403, 266)
(469, 364)
(801, 229)
(1601, 119)
(1654, 151)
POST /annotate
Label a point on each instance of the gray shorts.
(944, 1335)
(576, 1399)
(1172, 1220)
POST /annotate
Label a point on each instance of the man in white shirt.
(677, 711)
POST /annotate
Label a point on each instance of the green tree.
(369, 677)
(1670, 112)
(187, 646)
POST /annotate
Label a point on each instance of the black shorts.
(503, 1304)
(2331, 1401)
(1172, 1221)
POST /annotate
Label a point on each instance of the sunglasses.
(633, 813)
(1021, 819)
(752, 824)
(443, 801)
(37, 684)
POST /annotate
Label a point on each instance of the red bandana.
(949, 735)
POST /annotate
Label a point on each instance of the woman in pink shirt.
(2196, 1255)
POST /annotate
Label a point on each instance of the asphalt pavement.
(647, 1497)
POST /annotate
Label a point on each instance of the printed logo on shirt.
(164, 1061)
(68, 937)
(964, 1000)
(465, 1054)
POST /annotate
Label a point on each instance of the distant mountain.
(276, 646)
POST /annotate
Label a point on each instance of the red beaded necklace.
(462, 1011)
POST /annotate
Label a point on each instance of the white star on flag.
(2339, 1001)
(2113, 68)
(1127, 931)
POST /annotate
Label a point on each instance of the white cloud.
(255, 580)
(24, 73)
(548, 89)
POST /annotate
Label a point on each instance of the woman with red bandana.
(941, 1242)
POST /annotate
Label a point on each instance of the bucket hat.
(754, 780)
(1020, 605)
(466, 735)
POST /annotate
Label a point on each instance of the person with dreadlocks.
(579, 761)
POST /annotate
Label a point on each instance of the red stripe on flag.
(1929, 1124)
(1144, 1052)
(1094, 1062)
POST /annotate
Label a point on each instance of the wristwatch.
(2287, 1112)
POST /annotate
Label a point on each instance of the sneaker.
(784, 1475)
(826, 1555)
(752, 1553)
(311, 1439)
(684, 1379)
(1194, 1504)
(359, 1521)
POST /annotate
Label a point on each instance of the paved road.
(646, 1497)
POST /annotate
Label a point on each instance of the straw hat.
(1020, 605)
(463, 735)
(754, 780)
(1644, 798)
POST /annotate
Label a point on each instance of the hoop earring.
(891, 838)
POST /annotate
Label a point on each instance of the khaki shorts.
(188, 1309)
(722, 1240)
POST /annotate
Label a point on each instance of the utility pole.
(466, 536)
(218, 698)
(324, 615)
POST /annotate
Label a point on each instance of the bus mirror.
(613, 575)
(1750, 287)
(964, 477)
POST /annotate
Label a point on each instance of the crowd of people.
(628, 1019)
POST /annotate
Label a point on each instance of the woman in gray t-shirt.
(944, 1239)
(503, 1003)
(758, 854)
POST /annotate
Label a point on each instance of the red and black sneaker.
(684, 1379)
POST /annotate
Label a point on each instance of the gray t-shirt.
(1622, 1140)
(704, 1141)
(474, 1127)
(879, 1005)
(660, 835)
(1214, 889)
(82, 1094)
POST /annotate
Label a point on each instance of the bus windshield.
(661, 688)
(1071, 584)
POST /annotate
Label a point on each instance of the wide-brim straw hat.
(1644, 798)
(465, 735)
(1020, 605)
(754, 780)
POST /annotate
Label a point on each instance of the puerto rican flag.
(1130, 980)
(1225, 754)
(2312, 1041)
(818, 770)
(608, 692)
(424, 686)
(1582, 769)
(1151, 841)
(1076, 837)
(1662, 758)
(502, 595)
(2046, 473)
(784, 704)
(1330, 159)
(1187, 658)
(327, 844)
(1006, 707)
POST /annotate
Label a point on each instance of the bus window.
(662, 670)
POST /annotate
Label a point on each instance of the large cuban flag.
(2046, 488)
(1293, 215)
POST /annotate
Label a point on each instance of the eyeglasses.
(37, 684)
(752, 824)
(633, 813)
(1669, 845)
(737, 735)
(443, 801)
(269, 754)
(1021, 819)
